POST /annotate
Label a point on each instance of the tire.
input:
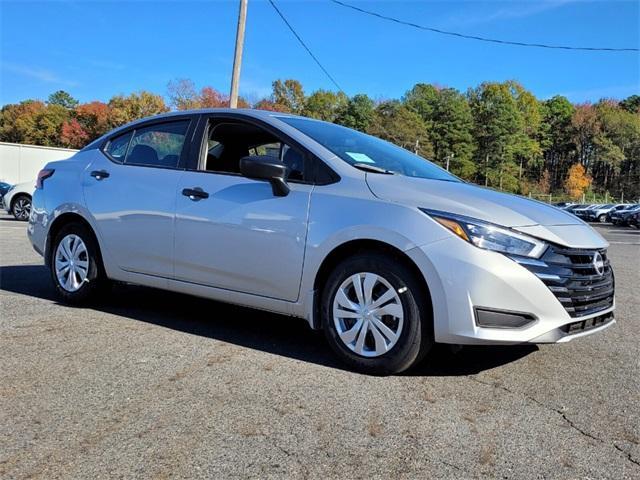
(602, 218)
(89, 280)
(406, 315)
(21, 207)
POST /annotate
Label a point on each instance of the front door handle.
(195, 194)
(100, 174)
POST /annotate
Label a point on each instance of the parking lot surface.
(150, 384)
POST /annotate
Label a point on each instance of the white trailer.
(21, 163)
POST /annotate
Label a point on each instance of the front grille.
(572, 276)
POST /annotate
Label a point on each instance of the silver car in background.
(384, 251)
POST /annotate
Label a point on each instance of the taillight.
(43, 175)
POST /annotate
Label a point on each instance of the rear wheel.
(76, 265)
(21, 207)
(375, 314)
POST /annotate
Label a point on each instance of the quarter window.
(158, 145)
(117, 147)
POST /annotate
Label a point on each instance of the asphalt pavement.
(150, 384)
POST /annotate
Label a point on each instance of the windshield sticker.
(360, 157)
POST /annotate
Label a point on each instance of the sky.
(95, 49)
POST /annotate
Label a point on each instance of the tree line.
(497, 134)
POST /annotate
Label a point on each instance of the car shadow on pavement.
(268, 332)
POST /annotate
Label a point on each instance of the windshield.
(357, 148)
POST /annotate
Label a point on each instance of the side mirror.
(264, 167)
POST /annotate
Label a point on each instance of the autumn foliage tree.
(73, 135)
(270, 105)
(126, 109)
(33, 122)
(577, 181)
(183, 95)
(290, 94)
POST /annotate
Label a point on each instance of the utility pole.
(237, 59)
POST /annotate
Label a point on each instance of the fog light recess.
(489, 318)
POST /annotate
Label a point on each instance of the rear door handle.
(100, 174)
(196, 194)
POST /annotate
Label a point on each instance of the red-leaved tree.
(73, 135)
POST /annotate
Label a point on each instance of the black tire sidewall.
(95, 276)
(415, 339)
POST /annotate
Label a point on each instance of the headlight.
(488, 236)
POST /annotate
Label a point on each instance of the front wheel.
(21, 207)
(602, 218)
(76, 265)
(375, 314)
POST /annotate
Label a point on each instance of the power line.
(481, 39)
(304, 45)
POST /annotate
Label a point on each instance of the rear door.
(130, 189)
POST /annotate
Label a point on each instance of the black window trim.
(206, 118)
(186, 146)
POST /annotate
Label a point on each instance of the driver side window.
(228, 142)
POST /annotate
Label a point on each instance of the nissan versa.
(383, 250)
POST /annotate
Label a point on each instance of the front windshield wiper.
(372, 168)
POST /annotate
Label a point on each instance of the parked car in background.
(17, 201)
(381, 249)
(615, 215)
(582, 212)
(563, 205)
(634, 220)
(574, 206)
(599, 214)
(4, 188)
(621, 217)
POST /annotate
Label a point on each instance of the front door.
(231, 231)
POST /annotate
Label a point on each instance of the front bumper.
(463, 278)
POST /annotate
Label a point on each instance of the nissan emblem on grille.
(580, 279)
(598, 263)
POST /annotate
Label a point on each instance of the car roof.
(250, 112)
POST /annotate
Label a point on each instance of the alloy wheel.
(71, 263)
(22, 208)
(368, 314)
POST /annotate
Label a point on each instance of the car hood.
(519, 213)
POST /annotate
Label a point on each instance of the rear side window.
(158, 145)
(117, 147)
